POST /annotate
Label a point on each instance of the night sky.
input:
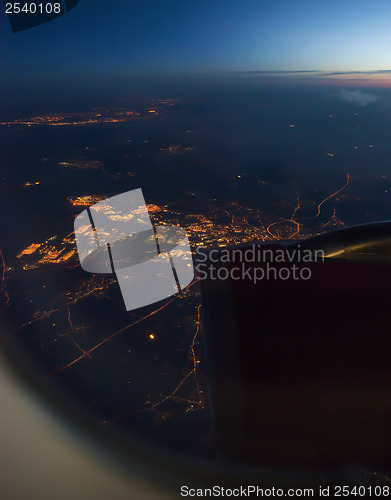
(127, 38)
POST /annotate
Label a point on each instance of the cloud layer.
(357, 97)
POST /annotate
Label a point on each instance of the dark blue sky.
(127, 38)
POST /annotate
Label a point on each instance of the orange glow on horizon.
(350, 80)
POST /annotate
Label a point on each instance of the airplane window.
(195, 237)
